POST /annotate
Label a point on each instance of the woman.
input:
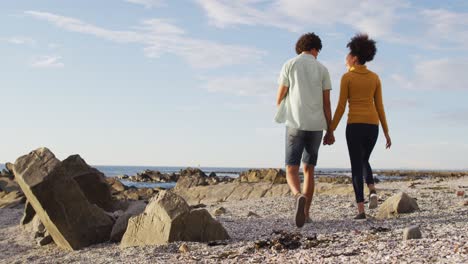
(362, 89)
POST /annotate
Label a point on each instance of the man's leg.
(313, 140)
(292, 176)
(308, 188)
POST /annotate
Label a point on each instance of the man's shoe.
(373, 200)
(300, 214)
(308, 220)
(361, 216)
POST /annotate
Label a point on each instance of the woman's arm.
(340, 108)
(381, 112)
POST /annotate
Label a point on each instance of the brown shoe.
(300, 214)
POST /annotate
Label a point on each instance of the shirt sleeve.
(284, 75)
(340, 108)
(379, 106)
(326, 82)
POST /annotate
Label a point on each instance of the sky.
(189, 83)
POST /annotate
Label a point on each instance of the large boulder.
(91, 182)
(276, 176)
(400, 203)
(120, 226)
(168, 218)
(191, 177)
(72, 221)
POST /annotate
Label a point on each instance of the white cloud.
(262, 85)
(440, 74)
(375, 17)
(48, 62)
(147, 3)
(19, 40)
(158, 36)
(396, 21)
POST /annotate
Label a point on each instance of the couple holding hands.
(303, 102)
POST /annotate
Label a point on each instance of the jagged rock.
(219, 211)
(183, 248)
(72, 221)
(168, 218)
(412, 232)
(276, 176)
(9, 167)
(400, 203)
(28, 214)
(231, 192)
(252, 214)
(115, 185)
(11, 199)
(8, 184)
(91, 182)
(120, 226)
(47, 239)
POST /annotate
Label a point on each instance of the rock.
(11, 199)
(28, 214)
(115, 185)
(183, 248)
(252, 214)
(400, 203)
(131, 194)
(9, 167)
(167, 218)
(120, 226)
(232, 192)
(8, 184)
(91, 182)
(219, 211)
(465, 203)
(199, 226)
(60, 204)
(213, 174)
(461, 193)
(276, 176)
(338, 179)
(47, 239)
(412, 232)
(192, 172)
(35, 227)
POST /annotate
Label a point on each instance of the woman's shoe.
(361, 216)
(300, 214)
(373, 200)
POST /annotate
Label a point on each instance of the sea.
(114, 171)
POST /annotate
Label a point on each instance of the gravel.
(443, 221)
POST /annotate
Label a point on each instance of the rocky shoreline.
(248, 219)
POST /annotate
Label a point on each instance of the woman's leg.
(354, 141)
(372, 133)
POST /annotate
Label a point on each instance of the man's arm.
(327, 108)
(282, 91)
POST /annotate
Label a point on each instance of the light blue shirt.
(307, 79)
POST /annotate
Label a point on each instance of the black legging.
(361, 139)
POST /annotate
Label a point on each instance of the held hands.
(329, 138)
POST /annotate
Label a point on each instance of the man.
(305, 85)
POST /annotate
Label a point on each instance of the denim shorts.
(302, 143)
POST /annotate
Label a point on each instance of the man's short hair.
(307, 42)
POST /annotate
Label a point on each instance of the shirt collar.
(359, 69)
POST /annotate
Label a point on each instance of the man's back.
(307, 79)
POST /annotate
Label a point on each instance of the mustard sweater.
(363, 90)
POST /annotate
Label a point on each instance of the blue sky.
(159, 82)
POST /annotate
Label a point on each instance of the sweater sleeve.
(379, 106)
(340, 108)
